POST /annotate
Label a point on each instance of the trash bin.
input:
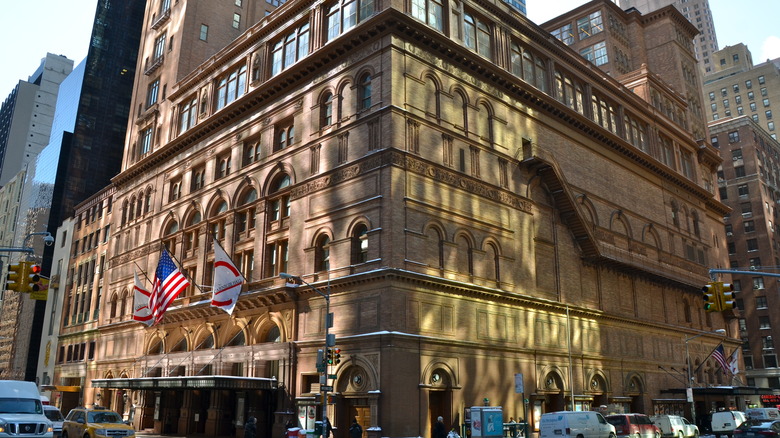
(293, 432)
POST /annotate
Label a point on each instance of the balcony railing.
(159, 21)
(156, 63)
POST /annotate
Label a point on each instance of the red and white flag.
(141, 311)
(734, 362)
(169, 282)
(227, 281)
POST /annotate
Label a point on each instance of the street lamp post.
(328, 323)
(689, 386)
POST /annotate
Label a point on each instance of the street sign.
(326, 388)
(332, 376)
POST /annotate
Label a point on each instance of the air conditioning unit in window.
(729, 233)
(748, 367)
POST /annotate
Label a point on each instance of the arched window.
(364, 92)
(169, 236)
(237, 340)
(245, 219)
(148, 201)
(360, 244)
(112, 306)
(192, 235)
(279, 204)
(273, 335)
(322, 254)
(326, 110)
(251, 153)
(180, 346)
(207, 343)
(217, 225)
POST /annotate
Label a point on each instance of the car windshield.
(53, 414)
(20, 406)
(104, 417)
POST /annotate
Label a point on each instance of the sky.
(30, 29)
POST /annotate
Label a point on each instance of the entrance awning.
(61, 388)
(188, 382)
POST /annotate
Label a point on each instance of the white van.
(724, 422)
(763, 413)
(675, 426)
(21, 411)
(570, 424)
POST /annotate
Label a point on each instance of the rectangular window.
(733, 136)
(564, 34)
(752, 245)
(198, 180)
(768, 114)
(238, 3)
(686, 161)
(749, 226)
(291, 49)
(231, 86)
(204, 32)
(743, 190)
(712, 96)
(739, 171)
(145, 141)
(427, 11)
(590, 25)
(187, 114)
(159, 47)
(276, 258)
(596, 53)
(761, 80)
(735, 87)
(476, 34)
(151, 92)
(761, 302)
(236, 21)
(763, 322)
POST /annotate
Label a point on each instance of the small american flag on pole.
(720, 357)
(168, 284)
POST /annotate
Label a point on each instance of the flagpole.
(142, 271)
(184, 271)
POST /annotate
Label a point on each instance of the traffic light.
(16, 277)
(710, 293)
(329, 356)
(36, 282)
(336, 355)
(727, 297)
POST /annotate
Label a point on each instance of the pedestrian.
(250, 428)
(439, 431)
(355, 431)
(327, 429)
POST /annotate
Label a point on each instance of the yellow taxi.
(96, 422)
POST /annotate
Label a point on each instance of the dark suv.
(634, 426)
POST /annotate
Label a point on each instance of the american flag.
(720, 356)
(168, 284)
(141, 311)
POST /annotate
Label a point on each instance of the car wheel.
(680, 434)
(86, 435)
(612, 435)
(695, 434)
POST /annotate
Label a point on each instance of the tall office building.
(26, 115)
(473, 201)
(736, 87)
(698, 13)
(86, 152)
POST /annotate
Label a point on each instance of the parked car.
(95, 422)
(634, 426)
(55, 416)
(758, 429)
(725, 422)
(575, 424)
(675, 426)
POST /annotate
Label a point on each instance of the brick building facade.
(475, 199)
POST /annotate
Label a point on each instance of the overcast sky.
(63, 27)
